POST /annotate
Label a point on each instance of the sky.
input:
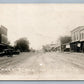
(40, 23)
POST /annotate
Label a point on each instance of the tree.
(22, 44)
(46, 48)
(65, 39)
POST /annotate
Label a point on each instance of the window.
(82, 35)
(77, 36)
(74, 36)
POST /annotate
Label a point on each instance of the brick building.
(77, 35)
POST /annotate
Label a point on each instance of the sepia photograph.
(41, 41)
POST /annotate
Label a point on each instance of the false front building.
(77, 35)
(3, 38)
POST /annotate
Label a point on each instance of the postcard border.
(42, 1)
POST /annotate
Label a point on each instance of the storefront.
(76, 46)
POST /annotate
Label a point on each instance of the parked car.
(8, 52)
(16, 52)
(2, 54)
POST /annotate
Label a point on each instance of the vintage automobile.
(8, 52)
(2, 54)
(16, 52)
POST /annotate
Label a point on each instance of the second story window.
(80, 36)
(77, 36)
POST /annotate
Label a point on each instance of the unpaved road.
(43, 66)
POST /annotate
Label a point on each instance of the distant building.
(3, 39)
(49, 47)
(3, 35)
(58, 45)
(53, 47)
(65, 47)
(77, 35)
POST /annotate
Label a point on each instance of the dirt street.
(43, 66)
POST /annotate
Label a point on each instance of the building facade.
(3, 35)
(3, 38)
(77, 35)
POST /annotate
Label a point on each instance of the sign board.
(68, 46)
(78, 45)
